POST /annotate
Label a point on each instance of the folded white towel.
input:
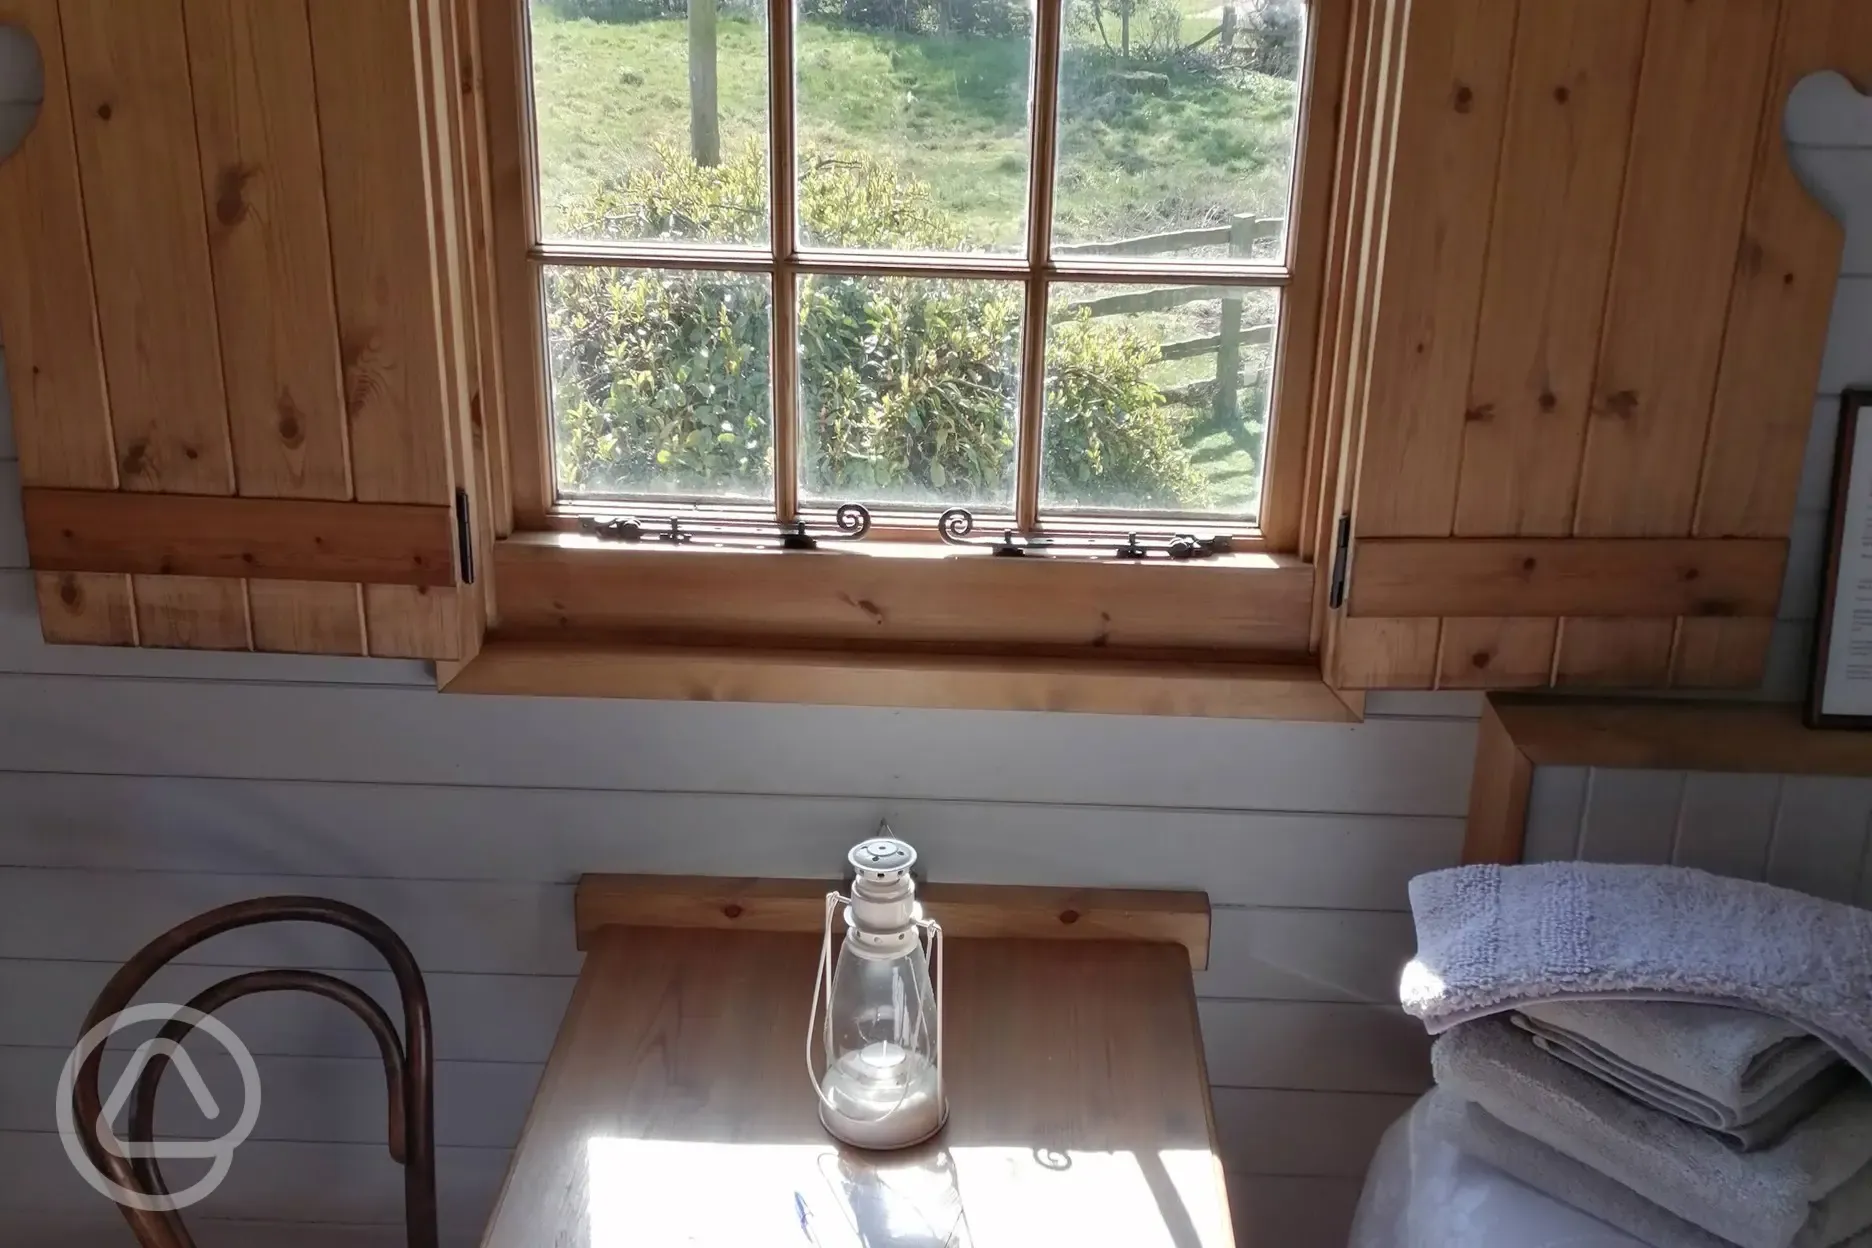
(1554, 1174)
(1491, 939)
(1812, 1190)
(1746, 1075)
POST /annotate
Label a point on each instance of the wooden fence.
(1240, 236)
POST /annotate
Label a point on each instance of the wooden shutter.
(1584, 340)
(239, 325)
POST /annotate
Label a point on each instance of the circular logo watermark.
(220, 1152)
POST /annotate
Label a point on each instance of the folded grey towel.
(1735, 1061)
(1493, 938)
(1812, 1190)
(1554, 1174)
(1745, 1075)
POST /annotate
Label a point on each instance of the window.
(919, 254)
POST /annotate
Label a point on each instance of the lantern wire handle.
(942, 1001)
(823, 978)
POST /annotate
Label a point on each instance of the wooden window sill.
(1118, 686)
(897, 624)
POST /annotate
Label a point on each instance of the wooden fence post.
(1228, 351)
(704, 113)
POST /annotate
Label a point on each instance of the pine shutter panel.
(236, 326)
(1596, 322)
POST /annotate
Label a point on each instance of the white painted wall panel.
(271, 1180)
(327, 1099)
(1816, 483)
(390, 831)
(1334, 1048)
(12, 519)
(1630, 816)
(478, 1018)
(1269, 1209)
(1811, 833)
(1321, 1134)
(8, 448)
(1848, 359)
(1308, 955)
(1726, 823)
(408, 736)
(1819, 835)
(1556, 804)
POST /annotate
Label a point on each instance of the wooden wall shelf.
(1520, 732)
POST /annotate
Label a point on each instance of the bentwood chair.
(408, 1060)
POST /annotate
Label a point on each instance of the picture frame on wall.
(1840, 694)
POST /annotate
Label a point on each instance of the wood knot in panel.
(1622, 404)
(291, 424)
(231, 192)
(362, 359)
(1463, 98)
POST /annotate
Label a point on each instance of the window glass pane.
(652, 119)
(1176, 127)
(908, 390)
(913, 123)
(1135, 417)
(659, 381)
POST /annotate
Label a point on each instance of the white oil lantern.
(883, 1082)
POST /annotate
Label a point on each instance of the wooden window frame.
(1248, 609)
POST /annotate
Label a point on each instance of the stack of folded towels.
(1623, 1040)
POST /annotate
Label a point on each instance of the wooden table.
(676, 1108)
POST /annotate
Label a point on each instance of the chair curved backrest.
(409, 1060)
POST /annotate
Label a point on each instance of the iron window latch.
(852, 521)
(957, 523)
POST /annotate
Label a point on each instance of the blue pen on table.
(805, 1218)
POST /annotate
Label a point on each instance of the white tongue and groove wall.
(138, 788)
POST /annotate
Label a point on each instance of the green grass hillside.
(1148, 144)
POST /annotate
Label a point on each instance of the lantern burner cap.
(882, 853)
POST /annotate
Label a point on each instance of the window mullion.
(1045, 133)
(783, 374)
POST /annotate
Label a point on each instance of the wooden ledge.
(964, 910)
(1520, 732)
(849, 677)
(1679, 735)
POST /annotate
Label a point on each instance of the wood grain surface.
(832, 676)
(965, 910)
(192, 535)
(1078, 1106)
(903, 592)
(1607, 577)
